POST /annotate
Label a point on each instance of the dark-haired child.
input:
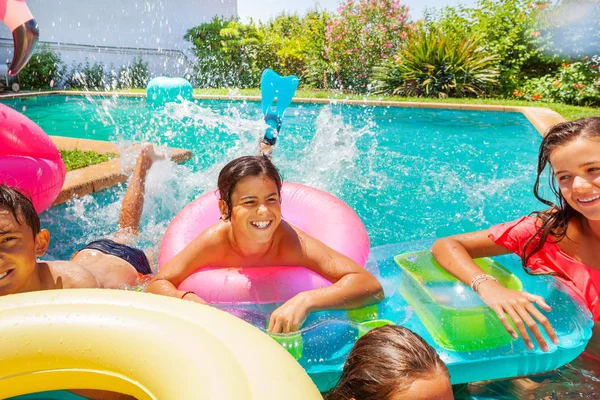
(563, 240)
(104, 263)
(251, 232)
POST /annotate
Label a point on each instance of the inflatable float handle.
(283, 87)
(17, 16)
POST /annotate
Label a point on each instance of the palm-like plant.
(434, 64)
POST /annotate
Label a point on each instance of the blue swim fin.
(273, 85)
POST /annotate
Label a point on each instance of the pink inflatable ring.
(29, 160)
(317, 213)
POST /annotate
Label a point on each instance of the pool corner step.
(96, 177)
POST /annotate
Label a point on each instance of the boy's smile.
(18, 252)
(256, 209)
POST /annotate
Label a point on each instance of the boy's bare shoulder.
(70, 275)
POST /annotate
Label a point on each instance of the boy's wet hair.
(384, 363)
(20, 206)
(241, 168)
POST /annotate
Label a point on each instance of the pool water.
(409, 173)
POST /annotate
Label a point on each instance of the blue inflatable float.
(162, 89)
(424, 298)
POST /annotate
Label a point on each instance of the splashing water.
(408, 173)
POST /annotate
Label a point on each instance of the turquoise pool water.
(410, 174)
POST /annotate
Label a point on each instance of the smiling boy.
(104, 263)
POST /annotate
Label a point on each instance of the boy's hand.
(290, 316)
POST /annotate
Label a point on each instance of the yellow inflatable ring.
(144, 345)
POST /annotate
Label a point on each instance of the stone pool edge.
(540, 117)
(94, 178)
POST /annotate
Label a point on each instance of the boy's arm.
(352, 285)
(200, 252)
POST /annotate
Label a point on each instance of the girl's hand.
(290, 316)
(520, 307)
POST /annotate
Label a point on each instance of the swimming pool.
(410, 174)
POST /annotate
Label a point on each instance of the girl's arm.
(456, 255)
(182, 265)
(353, 286)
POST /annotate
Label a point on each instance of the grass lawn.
(75, 159)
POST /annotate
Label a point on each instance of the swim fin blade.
(273, 85)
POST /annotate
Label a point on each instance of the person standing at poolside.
(106, 263)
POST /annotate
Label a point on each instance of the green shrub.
(87, 76)
(135, 75)
(206, 42)
(571, 29)
(318, 71)
(43, 70)
(296, 42)
(577, 83)
(229, 53)
(509, 29)
(434, 64)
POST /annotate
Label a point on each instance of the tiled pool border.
(97, 177)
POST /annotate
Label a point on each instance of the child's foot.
(265, 150)
(149, 154)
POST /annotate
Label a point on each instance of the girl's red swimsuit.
(550, 258)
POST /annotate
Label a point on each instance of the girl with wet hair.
(252, 233)
(563, 240)
(392, 363)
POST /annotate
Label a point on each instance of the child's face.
(18, 252)
(576, 166)
(256, 208)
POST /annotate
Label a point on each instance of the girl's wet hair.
(241, 168)
(385, 362)
(554, 221)
(20, 206)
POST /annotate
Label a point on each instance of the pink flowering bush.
(362, 34)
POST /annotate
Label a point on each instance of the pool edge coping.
(93, 178)
(541, 118)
